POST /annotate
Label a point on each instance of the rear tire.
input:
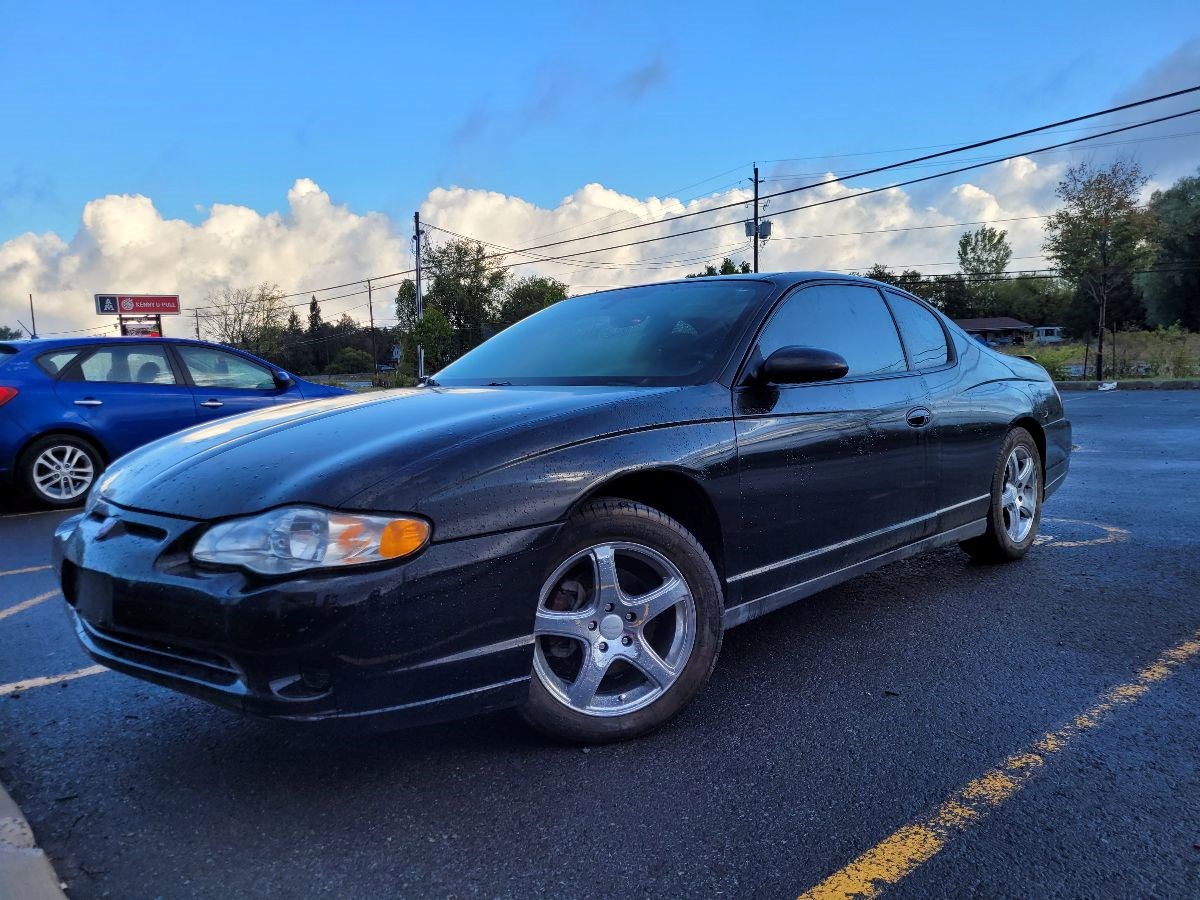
(58, 470)
(1016, 504)
(628, 625)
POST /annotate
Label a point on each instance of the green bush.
(349, 362)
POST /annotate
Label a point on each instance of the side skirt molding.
(752, 609)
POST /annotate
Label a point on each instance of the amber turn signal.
(403, 536)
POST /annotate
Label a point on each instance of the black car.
(567, 518)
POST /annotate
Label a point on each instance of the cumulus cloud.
(125, 244)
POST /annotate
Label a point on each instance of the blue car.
(69, 407)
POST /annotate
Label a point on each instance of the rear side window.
(849, 319)
(53, 363)
(142, 364)
(922, 332)
(7, 353)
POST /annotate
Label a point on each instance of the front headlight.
(298, 538)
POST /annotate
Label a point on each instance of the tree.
(249, 318)
(728, 267)
(529, 295)
(1038, 301)
(984, 251)
(1099, 236)
(983, 256)
(465, 284)
(406, 305)
(318, 333)
(435, 333)
(350, 362)
(295, 354)
(949, 293)
(9, 334)
(1172, 289)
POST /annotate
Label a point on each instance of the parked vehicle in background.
(1048, 334)
(567, 518)
(70, 406)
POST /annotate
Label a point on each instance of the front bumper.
(443, 635)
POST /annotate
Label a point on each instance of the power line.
(908, 162)
(863, 173)
(860, 194)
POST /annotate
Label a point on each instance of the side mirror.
(283, 379)
(800, 365)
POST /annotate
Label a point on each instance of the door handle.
(212, 404)
(89, 402)
(919, 417)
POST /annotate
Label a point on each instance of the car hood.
(327, 451)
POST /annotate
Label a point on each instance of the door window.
(135, 364)
(851, 320)
(211, 368)
(922, 333)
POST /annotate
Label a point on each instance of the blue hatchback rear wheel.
(59, 470)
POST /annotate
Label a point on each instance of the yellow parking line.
(37, 512)
(909, 847)
(19, 686)
(25, 604)
(24, 571)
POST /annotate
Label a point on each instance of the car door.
(127, 393)
(831, 473)
(226, 383)
(964, 433)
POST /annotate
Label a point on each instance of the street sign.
(137, 304)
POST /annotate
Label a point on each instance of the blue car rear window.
(54, 362)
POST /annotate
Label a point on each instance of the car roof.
(93, 340)
(783, 279)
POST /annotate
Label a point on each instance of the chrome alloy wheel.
(1019, 497)
(615, 627)
(63, 472)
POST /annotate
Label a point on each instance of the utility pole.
(32, 319)
(197, 314)
(756, 217)
(420, 301)
(371, 310)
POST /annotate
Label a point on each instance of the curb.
(1136, 384)
(25, 871)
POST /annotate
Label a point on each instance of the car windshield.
(656, 335)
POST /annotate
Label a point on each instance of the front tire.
(1016, 505)
(58, 470)
(628, 625)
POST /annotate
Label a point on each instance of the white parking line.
(24, 571)
(17, 687)
(25, 604)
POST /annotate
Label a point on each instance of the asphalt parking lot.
(936, 728)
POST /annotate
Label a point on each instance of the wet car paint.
(792, 489)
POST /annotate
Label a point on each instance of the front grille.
(170, 659)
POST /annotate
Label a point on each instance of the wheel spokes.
(666, 596)
(572, 624)
(649, 663)
(608, 582)
(611, 625)
(582, 691)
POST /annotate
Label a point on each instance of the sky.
(156, 147)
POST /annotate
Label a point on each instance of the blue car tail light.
(7, 393)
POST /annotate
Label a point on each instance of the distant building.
(1048, 334)
(997, 329)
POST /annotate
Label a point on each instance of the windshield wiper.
(499, 384)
